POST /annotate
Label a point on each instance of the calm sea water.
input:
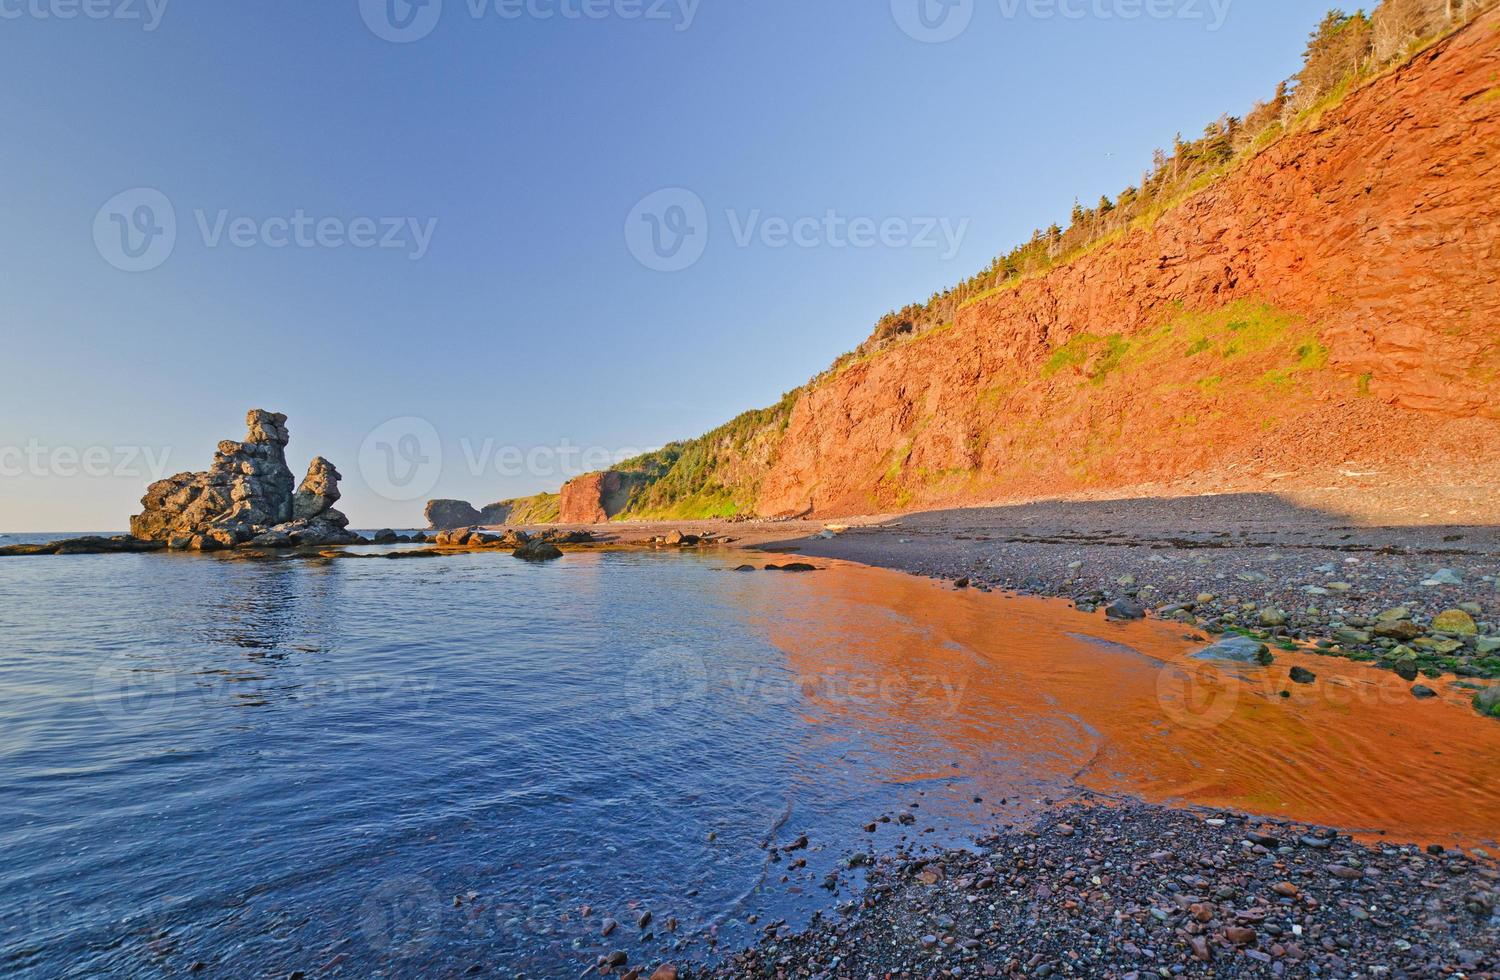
(418, 767)
(429, 766)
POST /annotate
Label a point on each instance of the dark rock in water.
(796, 566)
(119, 544)
(1303, 676)
(444, 515)
(1238, 649)
(962, 583)
(1422, 692)
(745, 568)
(537, 551)
(1125, 609)
(385, 536)
(1405, 669)
(245, 496)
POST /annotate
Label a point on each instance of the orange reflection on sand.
(1064, 696)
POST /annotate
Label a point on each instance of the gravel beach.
(1126, 890)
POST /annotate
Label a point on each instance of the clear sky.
(450, 213)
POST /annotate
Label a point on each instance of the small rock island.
(246, 497)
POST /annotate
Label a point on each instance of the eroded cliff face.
(1337, 297)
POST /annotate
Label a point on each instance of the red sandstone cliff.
(1336, 297)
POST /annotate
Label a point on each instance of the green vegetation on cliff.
(1344, 51)
(715, 475)
(543, 508)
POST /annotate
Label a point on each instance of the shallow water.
(272, 766)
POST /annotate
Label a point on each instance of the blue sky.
(463, 265)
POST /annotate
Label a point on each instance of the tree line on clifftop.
(1343, 50)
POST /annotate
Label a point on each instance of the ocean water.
(274, 766)
(430, 766)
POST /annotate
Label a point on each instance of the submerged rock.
(246, 495)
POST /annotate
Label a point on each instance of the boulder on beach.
(248, 494)
(1237, 649)
(1125, 609)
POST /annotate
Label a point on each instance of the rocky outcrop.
(90, 545)
(443, 515)
(246, 496)
(596, 497)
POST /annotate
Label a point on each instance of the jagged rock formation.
(246, 496)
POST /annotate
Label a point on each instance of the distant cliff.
(1330, 296)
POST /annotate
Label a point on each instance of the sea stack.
(248, 495)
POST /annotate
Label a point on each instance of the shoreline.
(1114, 888)
(1139, 922)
